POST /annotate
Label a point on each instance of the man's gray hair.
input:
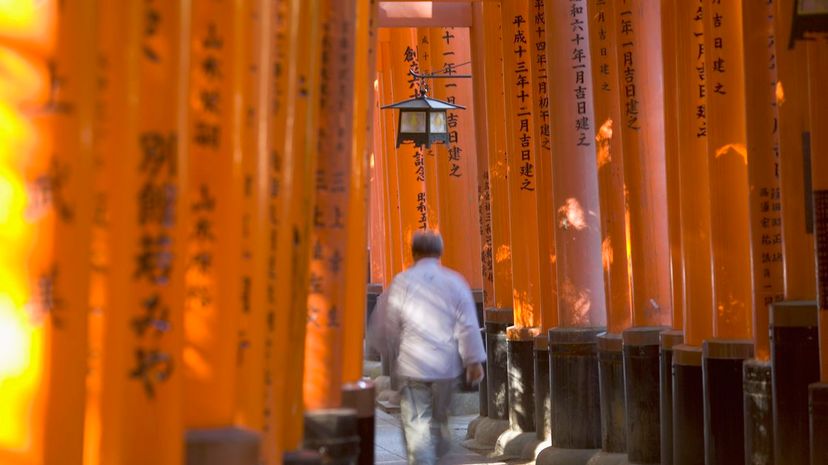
(426, 244)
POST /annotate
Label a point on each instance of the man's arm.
(470, 344)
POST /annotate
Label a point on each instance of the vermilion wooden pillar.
(817, 70)
(542, 108)
(212, 309)
(47, 111)
(694, 197)
(522, 155)
(430, 155)
(730, 225)
(581, 296)
(329, 241)
(615, 216)
(671, 150)
(610, 161)
(481, 121)
(409, 159)
(259, 25)
(642, 134)
(818, 392)
(728, 170)
(364, 41)
(794, 152)
(763, 148)
(501, 255)
(581, 299)
(143, 369)
(456, 162)
(392, 190)
(295, 167)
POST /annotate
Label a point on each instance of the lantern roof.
(423, 103)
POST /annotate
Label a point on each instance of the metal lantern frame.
(432, 110)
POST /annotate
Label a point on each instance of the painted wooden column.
(581, 299)
(252, 114)
(212, 309)
(143, 369)
(615, 215)
(817, 70)
(481, 128)
(794, 159)
(582, 312)
(685, 432)
(818, 392)
(410, 163)
(329, 248)
(728, 170)
(424, 64)
(294, 165)
(380, 248)
(642, 134)
(521, 154)
(671, 150)
(763, 148)
(364, 42)
(543, 165)
(730, 226)
(393, 231)
(47, 112)
(610, 162)
(457, 162)
(693, 166)
(500, 247)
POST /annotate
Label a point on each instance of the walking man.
(430, 320)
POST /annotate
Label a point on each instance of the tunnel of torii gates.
(198, 198)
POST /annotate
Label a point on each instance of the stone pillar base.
(669, 339)
(556, 456)
(724, 415)
(794, 365)
(641, 388)
(360, 397)
(543, 404)
(611, 384)
(688, 406)
(222, 446)
(497, 320)
(334, 434)
(520, 350)
(756, 379)
(818, 402)
(485, 433)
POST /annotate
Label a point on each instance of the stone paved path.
(390, 449)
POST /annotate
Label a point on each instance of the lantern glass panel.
(413, 121)
(438, 122)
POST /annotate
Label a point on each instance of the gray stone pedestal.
(222, 446)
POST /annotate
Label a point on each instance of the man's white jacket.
(429, 319)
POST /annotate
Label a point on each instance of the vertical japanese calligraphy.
(329, 238)
(728, 160)
(694, 193)
(456, 162)
(581, 297)
(409, 159)
(763, 147)
(521, 150)
(610, 160)
(543, 164)
(212, 308)
(642, 135)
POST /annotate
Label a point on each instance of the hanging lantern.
(423, 120)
